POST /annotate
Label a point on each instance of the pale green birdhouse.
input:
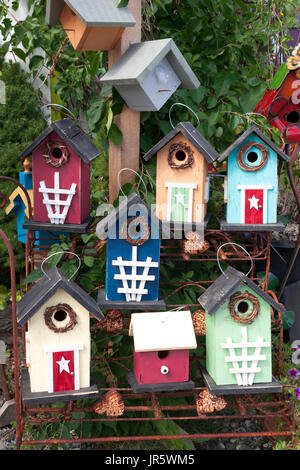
(238, 336)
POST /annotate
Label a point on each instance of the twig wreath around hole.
(243, 151)
(239, 307)
(56, 154)
(62, 311)
(136, 230)
(180, 156)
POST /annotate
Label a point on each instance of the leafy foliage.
(21, 121)
(233, 47)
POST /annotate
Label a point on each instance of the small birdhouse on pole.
(149, 73)
(90, 25)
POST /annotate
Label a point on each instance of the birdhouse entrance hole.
(162, 354)
(242, 306)
(180, 156)
(60, 318)
(293, 117)
(60, 315)
(252, 157)
(56, 152)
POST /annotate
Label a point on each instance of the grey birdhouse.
(90, 25)
(148, 74)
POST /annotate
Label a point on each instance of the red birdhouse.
(162, 341)
(281, 103)
(61, 158)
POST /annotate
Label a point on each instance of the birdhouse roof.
(253, 130)
(162, 331)
(45, 288)
(123, 212)
(93, 13)
(189, 131)
(226, 284)
(142, 58)
(72, 136)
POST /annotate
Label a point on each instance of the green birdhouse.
(238, 336)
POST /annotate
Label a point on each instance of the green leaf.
(36, 62)
(109, 121)
(3, 291)
(211, 102)
(86, 237)
(3, 304)
(288, 319)
(279, 77)
(19, 53)
(198, 94)
(115, 135)
(33, 276)
(219, 131)
(89, 261)
(55, 255)
(123, 3)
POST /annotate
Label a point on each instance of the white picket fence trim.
(55, 215)
(245, 374)
(134, 292)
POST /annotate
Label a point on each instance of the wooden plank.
(157, 387)
(261, 388)
(132, 305)
(127, 154)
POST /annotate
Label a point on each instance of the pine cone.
(198, 318)
(115, 404)
(114, 321)
(207, 403)
(100, 407)
(112, 404)
(194, 243)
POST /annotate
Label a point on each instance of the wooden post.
(127, 154)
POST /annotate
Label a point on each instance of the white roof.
(91, 12)
(160, 331)
(142, 58)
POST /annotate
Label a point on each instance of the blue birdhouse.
(18, 205)
(132, 257)
(251, 187)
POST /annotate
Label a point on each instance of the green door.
(180, 204)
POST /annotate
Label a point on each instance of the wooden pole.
(127, 154)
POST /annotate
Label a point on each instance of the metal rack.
(149, 407)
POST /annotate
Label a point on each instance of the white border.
(50, 351)
(191, 187)
(265, 188)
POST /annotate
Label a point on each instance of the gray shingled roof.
(142, 58)
(45, 288)
(189, 131)
(226, 284)
(93, 13)
(123, 211)
(253, 130)
(72, 135)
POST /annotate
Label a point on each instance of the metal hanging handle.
(130, 169)
(186, 106)
(59, 106)
(236, 244)
(58, 253)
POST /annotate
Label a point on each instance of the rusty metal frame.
(267, 411)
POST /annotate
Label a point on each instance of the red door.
(63, 371)
(254, 206)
